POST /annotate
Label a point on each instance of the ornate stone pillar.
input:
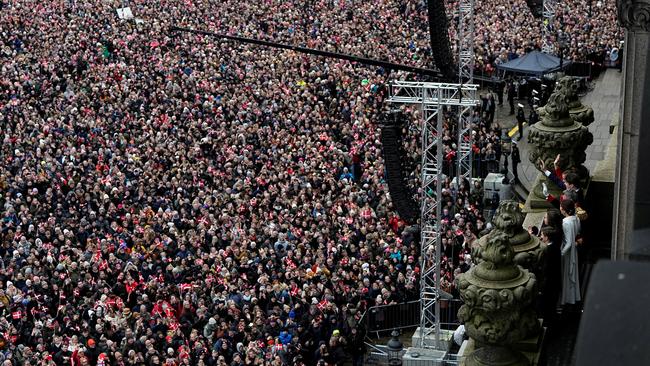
(631, 191)
(557, 133)
(580, 113)
(529, 251)
(569, 86)
(499, 296)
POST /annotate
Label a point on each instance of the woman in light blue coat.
(571, 229)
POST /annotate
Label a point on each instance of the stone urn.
(529, 251)
(579, 112)
(557, 133)
(498, 308)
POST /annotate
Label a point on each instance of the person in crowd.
(521, 118)
(516, 159)
(512, 91)
(553, 218)
(570, 276)
(556, 175)
(571, 182)
(552, 284)
(489, 107)
(533, 116)
(500, 85)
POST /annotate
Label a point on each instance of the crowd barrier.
(589, 70)
(382, 319)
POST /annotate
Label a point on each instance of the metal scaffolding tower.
(466, 41)
(432, 98)
(465, 75)
(548, 12)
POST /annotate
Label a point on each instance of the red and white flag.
(173, 326)
(322, 305)
(130, 287)
(290, 264)
(294, 290)
(209, 279)
(103, 265)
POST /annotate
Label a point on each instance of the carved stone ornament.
(579, 112)
(557, 133)
(498, 300)
(634, 15)
(529, 251)
(555, 113)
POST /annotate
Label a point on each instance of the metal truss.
(432, 98)
(548, 13)
(466, 41)
(464, 153)
(466, 75)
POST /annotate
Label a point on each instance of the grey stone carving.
(529, 252)
(634, 15)
(559, 133)
(498, 298)
(579, 112)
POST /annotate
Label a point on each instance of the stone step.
(520, 192)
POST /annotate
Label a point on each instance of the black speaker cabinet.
(615, 325)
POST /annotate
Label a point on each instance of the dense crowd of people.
(590, 26)
(397, 31)
(174, 199)
(506, 29)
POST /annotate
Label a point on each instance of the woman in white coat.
(571, 229)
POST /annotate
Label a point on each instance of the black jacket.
(516, 158)
(521, 116)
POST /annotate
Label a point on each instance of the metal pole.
(466, 41)
(438, 222)
(424, 237)
(341, 56)
(548, 13)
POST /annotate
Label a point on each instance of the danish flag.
(290, 264)
(173, 326)
(131, 286)
(185, 286)
(322, 305)
(294, 290)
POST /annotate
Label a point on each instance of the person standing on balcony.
(570, 230)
